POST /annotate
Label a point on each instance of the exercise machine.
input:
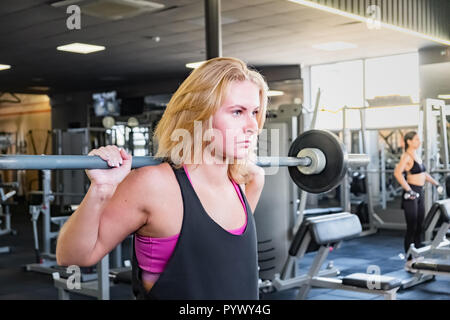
(321, 234)
(433, 259)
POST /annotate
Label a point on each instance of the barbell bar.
(77, 162)
(317, 161)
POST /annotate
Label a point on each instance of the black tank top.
(208, 262)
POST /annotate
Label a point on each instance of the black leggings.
(414, 216)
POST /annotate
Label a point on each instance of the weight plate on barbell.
(336, 161)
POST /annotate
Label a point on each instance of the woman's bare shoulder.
(405, 157)
(154, 178)
(161, 198)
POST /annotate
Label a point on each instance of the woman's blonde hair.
(196, 100)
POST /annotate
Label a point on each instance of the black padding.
(123, 277)
(321, 211)
(447, 185)
(432, 265)
(334, 228)
(431, 214)
(366, 280)
(299, 237)
(445, 210)
(358, 184)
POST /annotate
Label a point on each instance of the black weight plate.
(335, 155)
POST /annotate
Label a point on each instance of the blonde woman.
(192, 215)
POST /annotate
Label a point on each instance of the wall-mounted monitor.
(106, 104)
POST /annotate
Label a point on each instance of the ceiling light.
(194, 65)
(444, 96)
(40, 88)
(274, 93)
(322, 7)
(80, 48)
(334, 46)
(4, 66)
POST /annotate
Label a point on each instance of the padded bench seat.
(321, 211)
(325, 229)
(361, 280)
(432, 265)
(334, 228)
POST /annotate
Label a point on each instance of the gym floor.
(381, 249)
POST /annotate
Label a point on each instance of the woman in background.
(411, 175)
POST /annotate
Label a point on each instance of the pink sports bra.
(152, 254)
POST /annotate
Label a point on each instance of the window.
(393, 75)
(340, 84)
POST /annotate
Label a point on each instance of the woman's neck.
(411, 151)
(215, 173)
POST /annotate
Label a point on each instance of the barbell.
(317, 161)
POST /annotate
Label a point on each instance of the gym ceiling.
(261, 32)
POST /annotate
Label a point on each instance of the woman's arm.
(398, 172)
(255, 186)
(103, 220)
(430, 179)
(113, 208)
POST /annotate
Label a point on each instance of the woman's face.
(235, 123)
(414, 142)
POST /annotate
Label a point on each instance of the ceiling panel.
(10, 7)
(263, 32)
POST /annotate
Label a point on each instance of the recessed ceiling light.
(274, 93)
(444, 96)
(80, 48)
(194, 65)
(4, 66)
(334, 46)
(40, 88)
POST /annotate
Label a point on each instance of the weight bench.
(321, 234)
(313, 212)
(422, 262)
(440, 245)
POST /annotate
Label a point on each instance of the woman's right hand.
(117, 158)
